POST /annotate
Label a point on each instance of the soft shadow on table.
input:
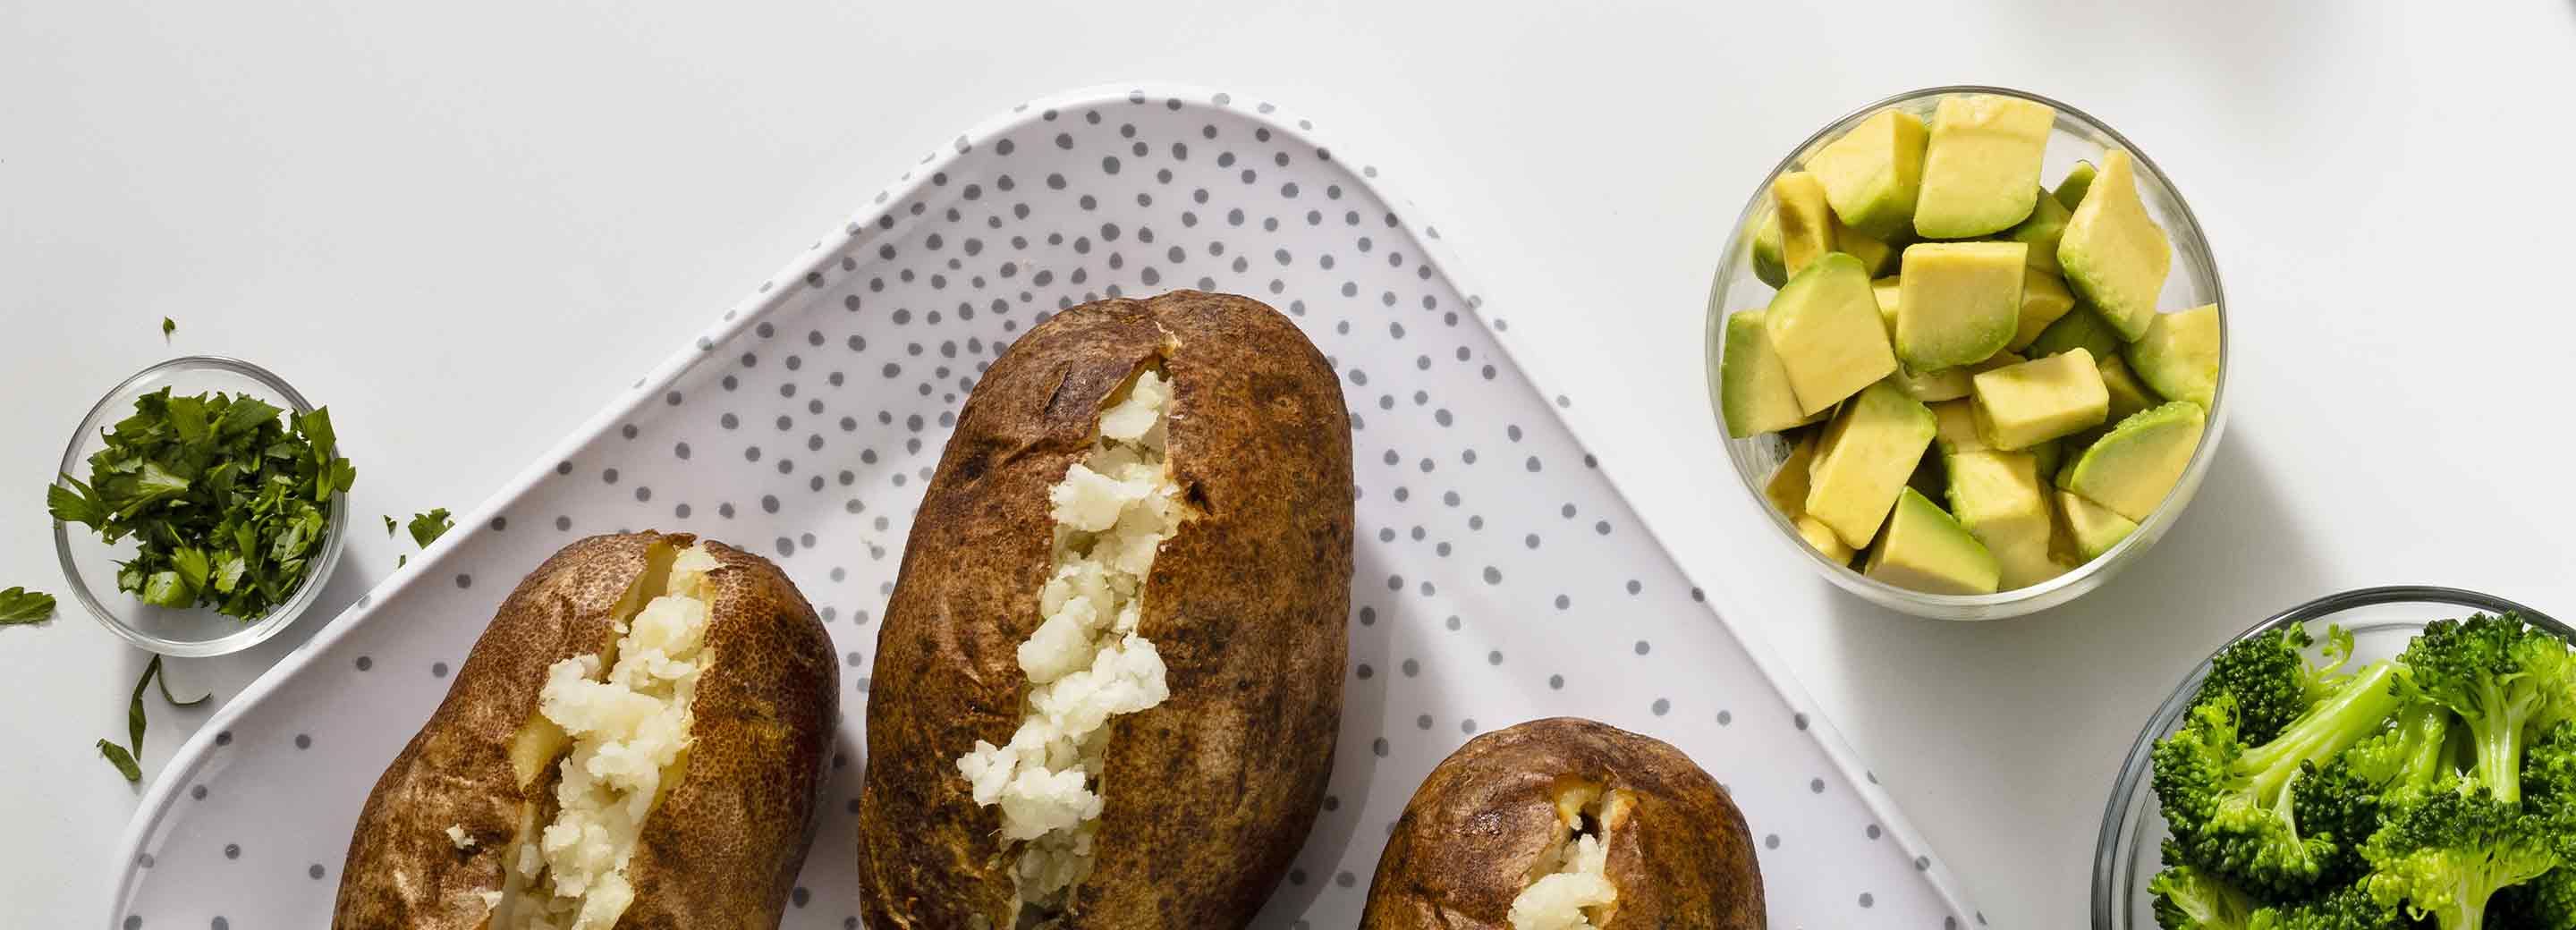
(2061, 694)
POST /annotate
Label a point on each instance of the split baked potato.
(1567, 823)
(636, 740)
(1108, 683)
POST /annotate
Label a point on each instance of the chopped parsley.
(228, 498)
(427, 527)
(21, 606)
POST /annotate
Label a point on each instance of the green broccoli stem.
(2498, 736)
(2355, 710)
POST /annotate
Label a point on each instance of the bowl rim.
(2134, 765)
(253, 632)
(2031, 598)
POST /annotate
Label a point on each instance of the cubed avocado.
(2079, 328)
(1957, 302)
(1885, 289)
(1806, 224)
(1824, 325)
(1877, 256)
(2178, 356)
(1999, 498)
(1954, 428)
(1981, 165)
(1930, 387)
(1925, 550)
(1872, 173)
(2131, 467)
(2093, 528)
(2019, 406)
(1822, 539)
(1768, 264)
(2127, 395)
(2113, 254)
(2048, 455)
(2041, 231)
(2044, 301)
(1754, 391)
(1787, 491)
(1868, 452)
(2070, 192)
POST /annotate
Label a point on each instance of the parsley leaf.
(167, 327)
(228, 496)
(21, 606)
(123, 760)
(389, 524)
(427, 527)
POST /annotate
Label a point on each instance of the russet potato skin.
(722, 847)
(1208, 795)
(1466, 844)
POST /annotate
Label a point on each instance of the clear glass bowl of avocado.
(1968, 351)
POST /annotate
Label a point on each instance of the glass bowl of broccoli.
(2393, 757)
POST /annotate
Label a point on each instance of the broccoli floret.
(2336, 803)
(2549, 771)
(2500, 676)
(2444, 857)
(2233, 808)
(2407, 759)
(2544, 903)
(2271, 680)
(2188, 898)
(2346, 908)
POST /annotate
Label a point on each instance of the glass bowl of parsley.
(201, 506)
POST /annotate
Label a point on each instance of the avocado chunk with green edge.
(1981, 165)
(2048, 455)
(2046, 224)
(2044, 301)
(1957, 302)
(1825, 328)
(1872, 174)
(2019, 406)
(1999, 498)
(1954, 428)
(1768, 264)
(2131, 467)
(1806, 223)
(1787, 491)
(2070, 192)
(1868, 452)
(2127, 395)
(1930, 387)
(2178, 356)
(1753, 388)
(1876, 255)
(2091, 527)
(2080, 328)
(2113, 254)
(1925, 550)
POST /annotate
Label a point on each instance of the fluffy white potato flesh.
(1572, 890)
(1085, 662)
(627, 714)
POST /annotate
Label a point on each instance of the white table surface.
(463, 225)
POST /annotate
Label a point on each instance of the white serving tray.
(1500, 576)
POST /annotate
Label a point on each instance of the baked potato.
(1566, 823)
(635, 741)
(1109, 680)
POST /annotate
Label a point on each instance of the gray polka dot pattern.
(1501, 579)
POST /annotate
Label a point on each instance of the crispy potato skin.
(1208, 795)
(725, 842)
(1467, 842)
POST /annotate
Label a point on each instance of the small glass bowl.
(2382, 620)
(2194, 282)
(90, 563)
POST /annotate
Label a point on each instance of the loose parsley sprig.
(228, 497)
(20, 606)
(124, 757)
